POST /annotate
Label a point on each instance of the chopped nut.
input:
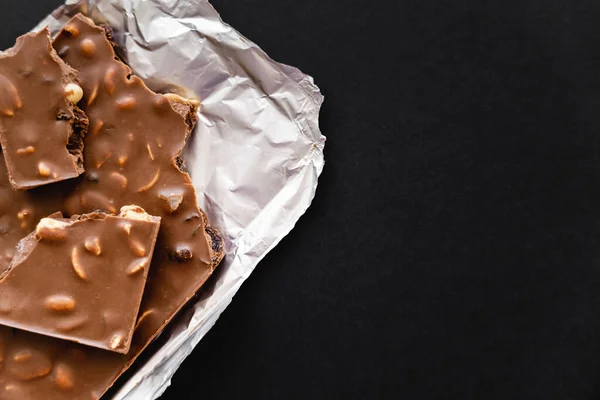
(150, 151)
(76, 262)
(28, 364)
(127, 228)
(11, 95)
(93, 95)
(12, 388)
(151, 183)
(88, 48)
(73, 93)
(25, 217)
(121, 179)
(116, 341)
(136, 266)
(97, 127)
(126, 103)
(26, 151)
(69, 324)
(22, 356)
(172, 201)
(137, 248)
(109, 81)
(93, 246)
(122, 160)
(71, 30)
(143, 317)
(63, 377)
(51, 229)
(44, 169)
(134, 212)
(60, 302)
(14, 391)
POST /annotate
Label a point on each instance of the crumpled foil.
(254, 158)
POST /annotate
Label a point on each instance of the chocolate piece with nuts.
(132, 152)
(41, 128)
(81, 279)
(41, 367)
(187, 250)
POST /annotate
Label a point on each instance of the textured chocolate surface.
(76, 371)
(131, 157)
(40, 367)
(81, 279)
(41, 129)
(20, 211)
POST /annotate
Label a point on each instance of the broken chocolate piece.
(80, 371)
(41, 128)
(132, 155)
(81, 279)
(42, 367)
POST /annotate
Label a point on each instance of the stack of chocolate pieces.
(101, 238)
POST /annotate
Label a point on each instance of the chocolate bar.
(35, 366)
(131, 157)
(81, 279)
(41, 367)
(41, 128)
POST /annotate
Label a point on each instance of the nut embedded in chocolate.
(41, 130)
(61, 270)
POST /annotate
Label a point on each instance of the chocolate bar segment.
(41, 129)
(40, 367)
(81, 279)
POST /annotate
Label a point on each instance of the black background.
(452, 251)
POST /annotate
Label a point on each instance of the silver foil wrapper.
(254, 158)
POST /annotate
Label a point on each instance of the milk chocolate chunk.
(132, 156)
(41, 128)
(81, 279)
(177, 271)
